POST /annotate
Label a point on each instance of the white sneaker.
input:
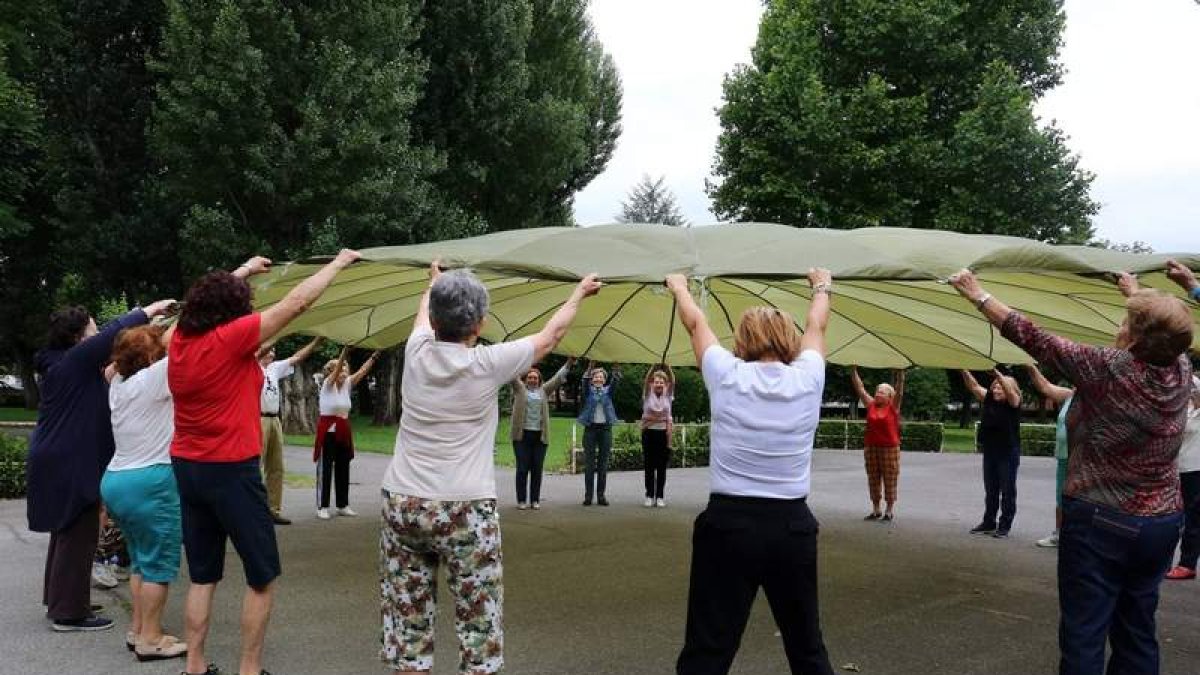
(1049, 542)
(660, 503)
(648, 503)
(346, 511)
(536, 506)
(102, 577)
(323, 514)
(119, 573)
(521, 506)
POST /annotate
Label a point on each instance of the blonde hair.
(887, 389)
(1160, 326)
(766, 333)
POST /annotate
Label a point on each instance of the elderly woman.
(881, 442)
(1121, 507)
(139, 485)
(657, 424)
(334, 445)
(439, 494)
(1189, 483)
(70, 446)
(999, 437)
(530, 431)
(597, 416)
(216, 382)
(757, 531)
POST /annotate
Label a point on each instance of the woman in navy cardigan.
(70, 446)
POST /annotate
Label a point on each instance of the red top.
(216, 383)
(883, 426)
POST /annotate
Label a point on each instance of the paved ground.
(601, 591)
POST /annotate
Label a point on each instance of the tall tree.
(651, 201)
(285, 127)
(914, 113)
(523, 102)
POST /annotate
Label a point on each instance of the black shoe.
(983, 529)
(211, 670)
(587, 501)
(280, 520)
(86, 625)
(872, 516)
(602, 501)
(887, 517)
(1001, 534)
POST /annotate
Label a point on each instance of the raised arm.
(305, 352)
(364, 369)
(898, 399)
(421, 322)
(339, 366)
(859, 390)
(973, 386)
(1012, 392)
(821, 282)
(670, 377)
(555, 329)
(646, 382)
(1180, 274)
(299, 299)
(556, 381)
(691, 316)
(97, 350)
(1047, 388)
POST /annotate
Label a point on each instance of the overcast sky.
(1130, 102)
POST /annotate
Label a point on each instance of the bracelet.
(823, 287)
(983, 300)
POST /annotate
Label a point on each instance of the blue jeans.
(1000, 487)
(1109, 567)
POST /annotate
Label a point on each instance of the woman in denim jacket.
(597, 416)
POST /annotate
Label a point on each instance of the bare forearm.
(816, 323)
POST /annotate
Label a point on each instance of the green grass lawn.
(382, 440)
(17, 415)
(958, 440)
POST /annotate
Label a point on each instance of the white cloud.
(1129, 103)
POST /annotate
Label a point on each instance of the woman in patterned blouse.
(1121, 505)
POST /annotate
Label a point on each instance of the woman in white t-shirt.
(139, 488)
(765, 400)
(439, 494)
(334, 445)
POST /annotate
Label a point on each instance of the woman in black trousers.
(757, 531)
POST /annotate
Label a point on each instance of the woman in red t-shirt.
(882, 441)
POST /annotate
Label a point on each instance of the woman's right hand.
(159, 308)
(677, 283)
(346, 257)
(818, 276)
(589, 286)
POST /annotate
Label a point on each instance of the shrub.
(848, 434)
(1037, 440)
(12, 467)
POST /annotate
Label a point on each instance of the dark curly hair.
(215, 299)
(66, 327)
(137, 348)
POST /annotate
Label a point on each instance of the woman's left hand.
(967, 284)
(1128, 283)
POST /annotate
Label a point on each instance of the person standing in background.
(658, 425)
(531, 431)
(272, 429)
(334, 445)
(881, 442)
(1189, 483)
(1000, 439)
(597, 417)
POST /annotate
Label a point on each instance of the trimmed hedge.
(848, 435)
(12, 467)
(1037, 440)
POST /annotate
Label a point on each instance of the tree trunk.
(388, 374)
(26, 371)
(298, 400)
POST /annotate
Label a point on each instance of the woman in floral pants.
(439, 494)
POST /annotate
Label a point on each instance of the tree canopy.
(909, 113)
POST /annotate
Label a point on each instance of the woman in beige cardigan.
(531, 431)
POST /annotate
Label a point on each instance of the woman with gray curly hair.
(439, 494)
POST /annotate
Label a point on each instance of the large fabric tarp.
(891, 306)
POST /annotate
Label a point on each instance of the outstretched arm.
(555, 329)
(421, 322)
(692, 317)
(339, 366)
(299, 299)
(859, 389)
(973, 386)
(1047, 388)
(364, 369)
(898, 399)
(305, 352)
(556, 381)
(821, 282)
(1012, 392)
(1180, 274)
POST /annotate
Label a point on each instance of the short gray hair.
(458, 302)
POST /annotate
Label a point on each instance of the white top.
(764, 419)
(334, 400)
(272, 374)
(448, 423)
(143, 418)
(1189, 453)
